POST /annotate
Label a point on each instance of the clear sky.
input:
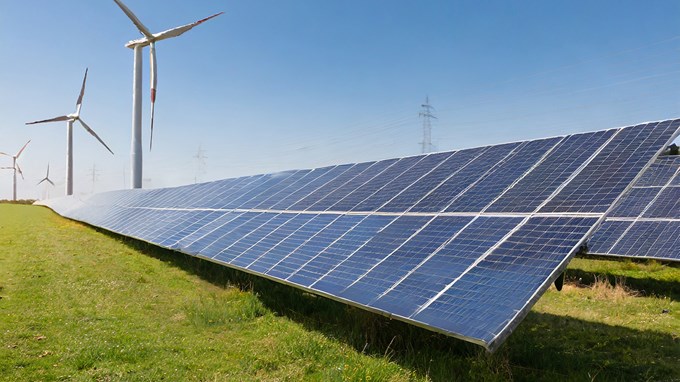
(275, 85)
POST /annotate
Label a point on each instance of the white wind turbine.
(15, 167)
(149, 39)
(48, 180)
(70, 118)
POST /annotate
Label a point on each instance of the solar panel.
(462, 242)
(645, 222)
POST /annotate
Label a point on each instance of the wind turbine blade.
(19, 169)
(5, 154)
(89, 130)
(48, 171)
(174, 32)
(22, 149)
(44, 179)
(154, 83)
(56, 119)
(144, 30)
(79, 103)
(51, 182)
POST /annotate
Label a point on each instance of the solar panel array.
(462, 242)
(646, 221)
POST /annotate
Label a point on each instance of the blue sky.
(276, 85)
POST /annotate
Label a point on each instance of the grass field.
(77, 303)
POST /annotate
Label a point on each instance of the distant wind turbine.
(70, 118)
(149, 39)
(15, 167)
(46, 192)
(47, 177)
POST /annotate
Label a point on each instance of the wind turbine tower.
(15, 167)
(426, 115)
(149, 39)
(70, 118)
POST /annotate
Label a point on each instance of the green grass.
(82, 304)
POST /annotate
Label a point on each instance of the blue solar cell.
(351, 185)
(314, 245)
(275, 232)
(197, 220)
(263, 186)
(453, 186)
(167, 222)
(342, 270)
(607, 235)
(200, 237)
(328, 187)
(290, 181)
(554, 170)
(227, 190)
(412, 193)
(213, 242)
(397, 264)
(444, 266)
(285, 202)
(503, 283)
(660, 172)
(501, 176)
(602, 181)
(667, 243)
(312, 225)
(403, 181)
(666, 205)
(634, 202)
(676, 180)
(650, 239)
(363, 192)
(322, 261)
(299, 184)
(241, 238)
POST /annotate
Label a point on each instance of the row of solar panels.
(646, 221)
(508, 178)
(461, 242)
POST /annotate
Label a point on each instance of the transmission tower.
(94, 173)
(427, 116)
(200, 163)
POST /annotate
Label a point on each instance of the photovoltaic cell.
(413, 192)
(635, 202)
(607, 235)
(509, 276)
(460, 242)
(552, 172)
(403, 181)
(660, 172)
(613, 169)
(452, 186)
(666, 205)
(494, 182)
(651, 240)
(644, 217)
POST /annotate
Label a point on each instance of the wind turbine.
(15, 167)
(47, 177)
(149, 39)
(70, 118)
(46, 194)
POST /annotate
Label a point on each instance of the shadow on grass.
(643, 285)
(543, 347)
